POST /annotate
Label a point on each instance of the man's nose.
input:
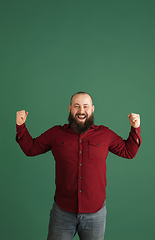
(81, 110)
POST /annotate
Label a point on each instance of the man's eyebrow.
(79, 104)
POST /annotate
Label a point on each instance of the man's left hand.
(134, 120)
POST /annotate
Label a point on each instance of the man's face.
(81, 108)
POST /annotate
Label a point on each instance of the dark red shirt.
(80, 161)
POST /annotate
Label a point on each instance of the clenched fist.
(134, 120)
(21, 117)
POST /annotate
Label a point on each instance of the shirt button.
(80, 151)
(80, 164)
(80, 191)
(80, 177)
(80, 140)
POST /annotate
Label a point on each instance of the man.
(80, 149)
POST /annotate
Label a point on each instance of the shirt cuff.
(20, 129)
(136, 134)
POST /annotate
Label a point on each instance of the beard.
(80, 127)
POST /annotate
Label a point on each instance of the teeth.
(81, 116)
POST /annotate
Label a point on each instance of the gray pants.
(64, 225)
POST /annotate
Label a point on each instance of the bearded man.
(80, 149)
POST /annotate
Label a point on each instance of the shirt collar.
(66, 126)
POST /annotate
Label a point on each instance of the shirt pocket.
(95, 149)
(63, 149)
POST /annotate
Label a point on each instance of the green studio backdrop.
(49, 51)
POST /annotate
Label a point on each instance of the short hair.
(80, 93)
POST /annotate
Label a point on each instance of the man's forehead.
(82, 98)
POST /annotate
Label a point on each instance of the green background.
(49, 51)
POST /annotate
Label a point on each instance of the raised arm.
(127, 148)
(31, 146)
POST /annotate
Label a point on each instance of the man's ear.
(93, 108)
(69, 108)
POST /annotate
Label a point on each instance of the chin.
(81, 123)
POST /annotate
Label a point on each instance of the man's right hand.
(21, 117)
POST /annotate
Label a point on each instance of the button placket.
(80, 172)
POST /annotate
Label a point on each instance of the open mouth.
(81, 117)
